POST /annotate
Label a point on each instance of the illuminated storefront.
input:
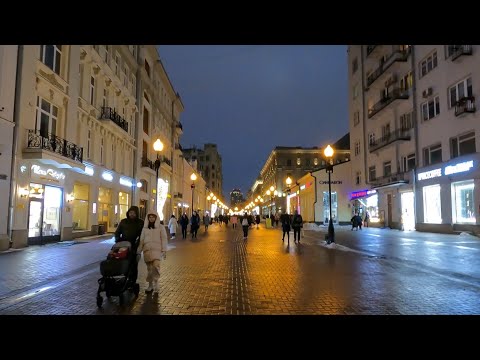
(80, 207)
(106, 209)
(446, 197)
(123, 201)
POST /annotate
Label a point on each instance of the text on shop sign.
(322, 182)
(448, 170)
(50, 172)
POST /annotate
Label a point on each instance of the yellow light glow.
(211, 195)
(328, 151)
(193, 177)
(289, 181)
(268, 192)
(272, 188)
(208, 197)
(158, 145)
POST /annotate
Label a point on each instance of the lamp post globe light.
(158, 147)
(329, 168)
(193, 177)
(288, 181)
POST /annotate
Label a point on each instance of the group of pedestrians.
(289, 222)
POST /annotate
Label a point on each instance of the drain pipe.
(16, 118)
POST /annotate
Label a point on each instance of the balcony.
(178, 147)
(178, 195)
(389, 180)
(166, 161)
(110, 114)
(397, 93)
(396, 135)
(397, 55)
(148, 163)
(465, 105)
(66, 150)
(459, 50)
(373, 49)
(179, 127)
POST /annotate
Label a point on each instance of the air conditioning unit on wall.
(428, 92)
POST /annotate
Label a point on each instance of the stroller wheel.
(136, 289)
(99, 301)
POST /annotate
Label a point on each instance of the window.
(80, 206)
(408, 162)
(125, 78)
(289, 162)
(357, 148)
(431, 108)
(117, 64)
(428, 64)
(356, 91)
(371, 139)
(113, 155)
(92, 90)
(372, 173)
(462, 145)
(51, 55)
(356, 118)
(406, 121)
(385, 132)
(213, 166)
(202, 158)
(106, 53)
(308, 162)
(461, 90)
(354, 66)
(432, 210)
(464, 209)
(145, 120)
(144, 185)
(406, 82)
(207, 158)
(432, 154)
(315, 161)
(89, 140)
(213, 175)
(387, 168)
(105, 96)
(147, 67)
(298, 161)
(101, 150)
(213, 183)
(47, 116)
(358, 177)
(452, 49)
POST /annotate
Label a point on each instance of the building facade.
(209, 165)
(414, 132)
(79, 135)
(8, 74)
(236, 197)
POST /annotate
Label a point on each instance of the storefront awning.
(392, 184)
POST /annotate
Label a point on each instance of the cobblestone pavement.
(220, 273)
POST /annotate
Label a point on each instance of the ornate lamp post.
(158, 147)
(329, 154)
(193, 177)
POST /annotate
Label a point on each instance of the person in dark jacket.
(184, 225)
(285, 219)
(129, 230)
(297, 224)
(194, 224)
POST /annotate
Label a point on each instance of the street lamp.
(158, 147)
(193, 177)
(289, 182)
(329, 168)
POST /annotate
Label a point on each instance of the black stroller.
(116, 272)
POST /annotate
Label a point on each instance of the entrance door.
(389, 210)
(408, 208)
(35, 221)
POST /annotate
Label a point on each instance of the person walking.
(129, 230)
(172, 226)
(285, 220)
(194, 224)
(367, 219)
(234, 220)
(257, 220)
(297, 224)
(154, 245)
(245, 226)
(184, 225)
(206, 221)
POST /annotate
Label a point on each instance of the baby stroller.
(116, 272)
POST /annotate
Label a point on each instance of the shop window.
(432, 210)
(80, 206)
(123, 202)
(463, 203)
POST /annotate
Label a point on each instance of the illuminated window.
(432, 210)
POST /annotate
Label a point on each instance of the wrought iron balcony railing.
(148, 163)
(398, 55)
(179, 125)
(459, 50)
(109, 113)
(465, 105)
(395, 94)
(167, 161)
(55, 144)
(391, 137)
(389, 179)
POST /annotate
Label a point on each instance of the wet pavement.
(374, 271)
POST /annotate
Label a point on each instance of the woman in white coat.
(154, 244)
(172, 226)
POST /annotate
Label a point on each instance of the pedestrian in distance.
(172, 226)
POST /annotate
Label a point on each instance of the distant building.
(209, 165)
(236, 197)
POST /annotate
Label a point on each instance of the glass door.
(35, 221)
(52, 213)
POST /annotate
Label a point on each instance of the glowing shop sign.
(125, 182)
(358, 194)
(429, 174)
(107, 176)
(461, 167)
(50, 172)
(89, 170)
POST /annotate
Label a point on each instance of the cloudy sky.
(250, 98)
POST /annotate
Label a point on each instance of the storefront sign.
(125, 182)
(107, 176)
(357, 194)
(338, 182)
(461, 167)
(50, 172)
(448, 170)
(429, 174)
